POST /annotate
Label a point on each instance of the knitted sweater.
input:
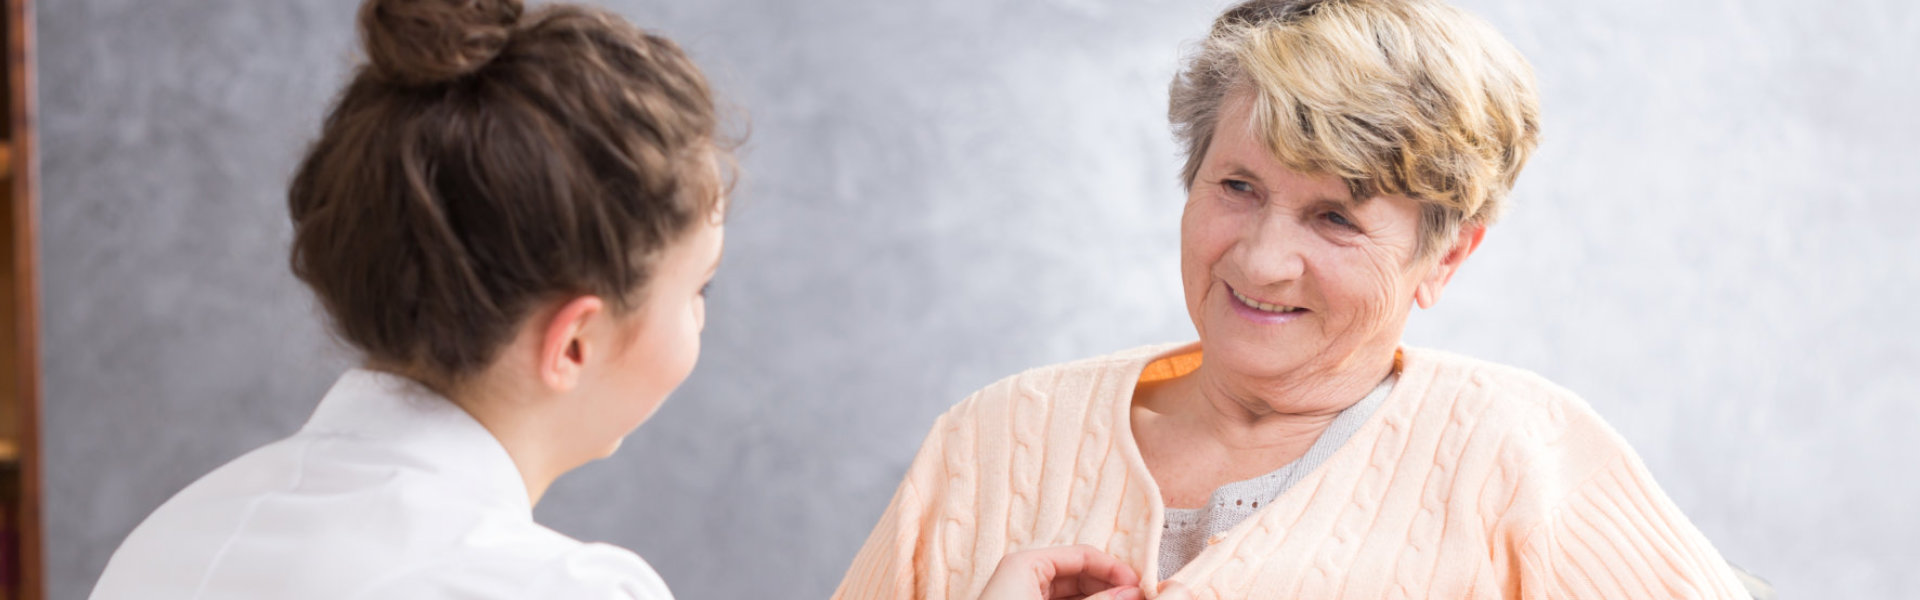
(1472, 480)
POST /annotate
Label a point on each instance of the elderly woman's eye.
(1340, 220)
(1238, 186)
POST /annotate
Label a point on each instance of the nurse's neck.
(524, 421)
(532, 400)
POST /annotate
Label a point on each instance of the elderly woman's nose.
(1272, 250)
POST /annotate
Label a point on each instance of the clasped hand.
(1069, 573)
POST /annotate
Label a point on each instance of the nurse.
(513, 216)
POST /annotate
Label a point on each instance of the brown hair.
(1411, 97)
(483, 161)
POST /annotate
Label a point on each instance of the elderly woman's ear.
(1468, 240)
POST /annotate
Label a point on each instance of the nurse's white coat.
(389, 491)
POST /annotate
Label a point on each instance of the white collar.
(386, 408)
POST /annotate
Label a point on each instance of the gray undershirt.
(1188, 529)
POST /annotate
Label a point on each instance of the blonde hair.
(1397, 97)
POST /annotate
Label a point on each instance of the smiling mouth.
(1262, 306)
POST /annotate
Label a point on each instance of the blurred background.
(1716, 246)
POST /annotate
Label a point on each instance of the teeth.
(1262, 305)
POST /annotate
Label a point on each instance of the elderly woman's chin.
(1257, 343)
(1251, 337)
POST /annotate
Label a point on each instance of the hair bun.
(426, 42)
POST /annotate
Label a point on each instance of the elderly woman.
(1344, 159)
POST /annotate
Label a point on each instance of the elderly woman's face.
(1284, 271)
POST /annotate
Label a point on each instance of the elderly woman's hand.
(1063, 573)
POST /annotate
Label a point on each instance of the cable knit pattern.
(1472, 480)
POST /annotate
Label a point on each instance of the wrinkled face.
(1286, 275)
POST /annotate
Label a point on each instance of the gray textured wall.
(1714, 247)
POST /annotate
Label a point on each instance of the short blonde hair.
(1397, 97)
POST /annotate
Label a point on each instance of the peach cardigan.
(1472, 480)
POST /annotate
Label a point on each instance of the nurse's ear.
(563, 343)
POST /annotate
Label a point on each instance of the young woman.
(513, 216)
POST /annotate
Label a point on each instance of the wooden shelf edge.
(21, 162)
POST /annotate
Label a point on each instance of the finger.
(1084, 561)
(1087, 583)
(1083, 569)
(1119, 593)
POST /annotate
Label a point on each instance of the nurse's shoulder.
(170, 552)
(586, 571)
(389, 491)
